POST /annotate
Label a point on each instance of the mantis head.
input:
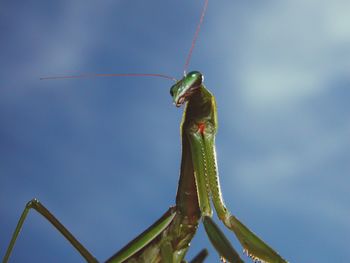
(184, 88)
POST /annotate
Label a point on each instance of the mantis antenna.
(195, 36)
(188, 59)
(93, 75)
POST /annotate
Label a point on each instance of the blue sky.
(103, 154)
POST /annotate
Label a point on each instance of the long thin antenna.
(195, 36)
(188, 59)
(93, 75)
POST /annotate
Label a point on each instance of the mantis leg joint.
(33, 203)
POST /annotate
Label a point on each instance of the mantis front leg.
(254, 247)
(204, 157)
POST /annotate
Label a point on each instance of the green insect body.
(198, 185)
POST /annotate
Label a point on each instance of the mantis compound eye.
(195, 78)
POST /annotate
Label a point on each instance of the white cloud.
(270, 88)
(287, 51)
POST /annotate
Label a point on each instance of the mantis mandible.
(168, 239)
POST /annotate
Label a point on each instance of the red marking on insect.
(201, 127)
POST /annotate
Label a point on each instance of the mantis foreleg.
(255, 247)
(220, 242)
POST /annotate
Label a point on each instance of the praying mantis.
(168, 239)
